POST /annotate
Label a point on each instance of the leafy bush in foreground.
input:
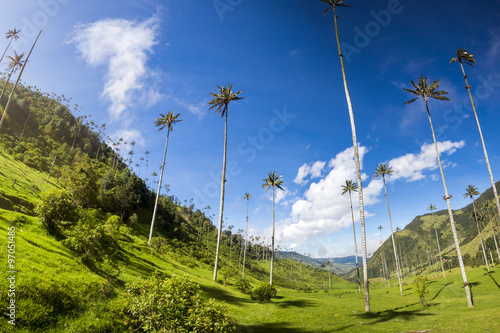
(173, 305)
(243, 285)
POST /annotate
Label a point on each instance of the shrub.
(243, 285)
(54, 207)
(173, 305)
(112, 225)
(158, 245)
(421, 284)
(263, 293)
(227, 273)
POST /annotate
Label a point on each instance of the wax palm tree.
(6, 109)
(431, 209)
(275, 182)
(165, 120)
(332, 5)
(487, 206)
(349, 187)
(10, 34)
(425, 91)
(14, 64)
(247, 198)
(384, 170)
(471, 191)
(464, 57)
(221, 101)
(382, 258)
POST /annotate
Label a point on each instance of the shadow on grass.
(47, 249)
(271, 328)
(297, 303)
(384, 316)
(439, 291)
(222, 295)
(495, 281)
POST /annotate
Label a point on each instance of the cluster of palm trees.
(424, 90)
(16, 62)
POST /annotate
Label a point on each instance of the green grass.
(55, 292)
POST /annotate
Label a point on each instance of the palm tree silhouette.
(275, 182)
(221, 101)
(162, 122)
(332, 5)
(471, 191)
(384, 170)
(10, 34)
(425, 91)
(464, 57)
(247, 198)
(349, 187)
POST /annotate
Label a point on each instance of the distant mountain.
(340, 265)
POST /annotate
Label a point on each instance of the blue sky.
(125, 62)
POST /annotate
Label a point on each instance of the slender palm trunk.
(358, 170)
(480, 237)
(272, 247)
(439, 249)
(355, 245)
(493, 230)
(398, 269)
(497, 201)
(221, 210)
(8, 45)
(17, 81)
(246, 242)
(159, 187)
(6, 82)
(450, 212)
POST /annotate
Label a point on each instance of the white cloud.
(411, 167)
(315, 170)
(124, 47)
(129, 136)
(324, 210)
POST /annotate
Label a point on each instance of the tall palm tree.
(471, 191)
(425, 91)
(332, 5)
(431, 209)
(464, 57)
(275, 182)
(6, 109)
(10, 34)
(220, 102)
(487, 206)
(247, 198)
(382, 260)
(349, 187)
(384, 170)
(15, 63)
(165, 120)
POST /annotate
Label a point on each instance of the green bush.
(263, 293)
(243, 285)
(421, 284)
(227, 273)
(113, 224)
(54, 207)
(173, 305)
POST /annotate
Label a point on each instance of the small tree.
(421, 284)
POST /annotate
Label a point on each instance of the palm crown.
(431, 208)
(247, 196)
(426, 91)
(166, 120)
(382, 170)
(464, 56)
(15, 62)
(12, 34)
(350, 186)
(222, 99)
(334, 3)
(272, 181)
(471, 191)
